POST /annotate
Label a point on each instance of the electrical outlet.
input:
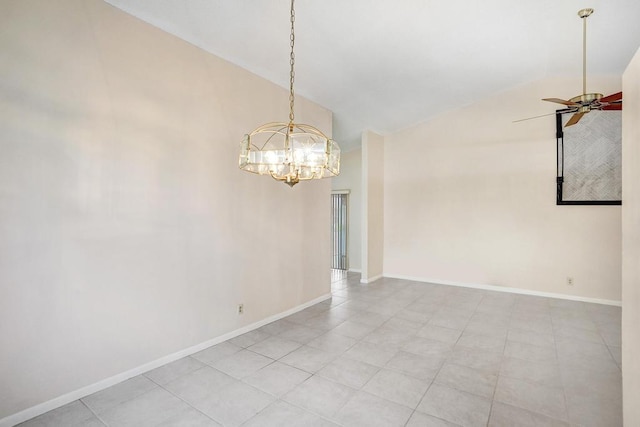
(570, 281)
(240, 308)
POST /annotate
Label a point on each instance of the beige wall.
(373, 161)
(127, 231)
(350, 178)
(631, 242)
(469, 198)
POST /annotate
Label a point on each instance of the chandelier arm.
(278, 132)
(308, 128)
(271, 125)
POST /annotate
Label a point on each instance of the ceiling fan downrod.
(584, 101)
(584, 14)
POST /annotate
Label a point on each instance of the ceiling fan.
(582, 104)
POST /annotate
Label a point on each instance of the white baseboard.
(507, 289)
(40, 409)
(371, 279)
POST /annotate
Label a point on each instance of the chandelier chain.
(292, 61)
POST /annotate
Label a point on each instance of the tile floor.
(391, 353)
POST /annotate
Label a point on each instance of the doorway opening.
(339, 230)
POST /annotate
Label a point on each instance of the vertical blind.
(339, 220)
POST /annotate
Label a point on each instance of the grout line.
(95, 414)
(186, 402)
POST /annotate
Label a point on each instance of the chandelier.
(287, 151)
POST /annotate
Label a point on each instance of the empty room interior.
(457, 242)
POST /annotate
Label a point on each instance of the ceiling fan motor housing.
(586, 98)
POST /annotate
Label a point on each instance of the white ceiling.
(385, 65)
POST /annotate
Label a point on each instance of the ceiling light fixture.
(290, 152)
(582, 104)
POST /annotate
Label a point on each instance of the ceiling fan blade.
(574, 119)
(535, 117)
(561, 101)
(612, 97)
(616, 106)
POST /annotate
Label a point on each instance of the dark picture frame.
(589, 159)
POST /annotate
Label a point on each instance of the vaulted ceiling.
(385, 65)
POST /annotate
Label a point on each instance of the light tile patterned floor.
(390, 353)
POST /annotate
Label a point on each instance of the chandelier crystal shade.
(287, 151)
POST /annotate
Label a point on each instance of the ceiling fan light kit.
(582, 104)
